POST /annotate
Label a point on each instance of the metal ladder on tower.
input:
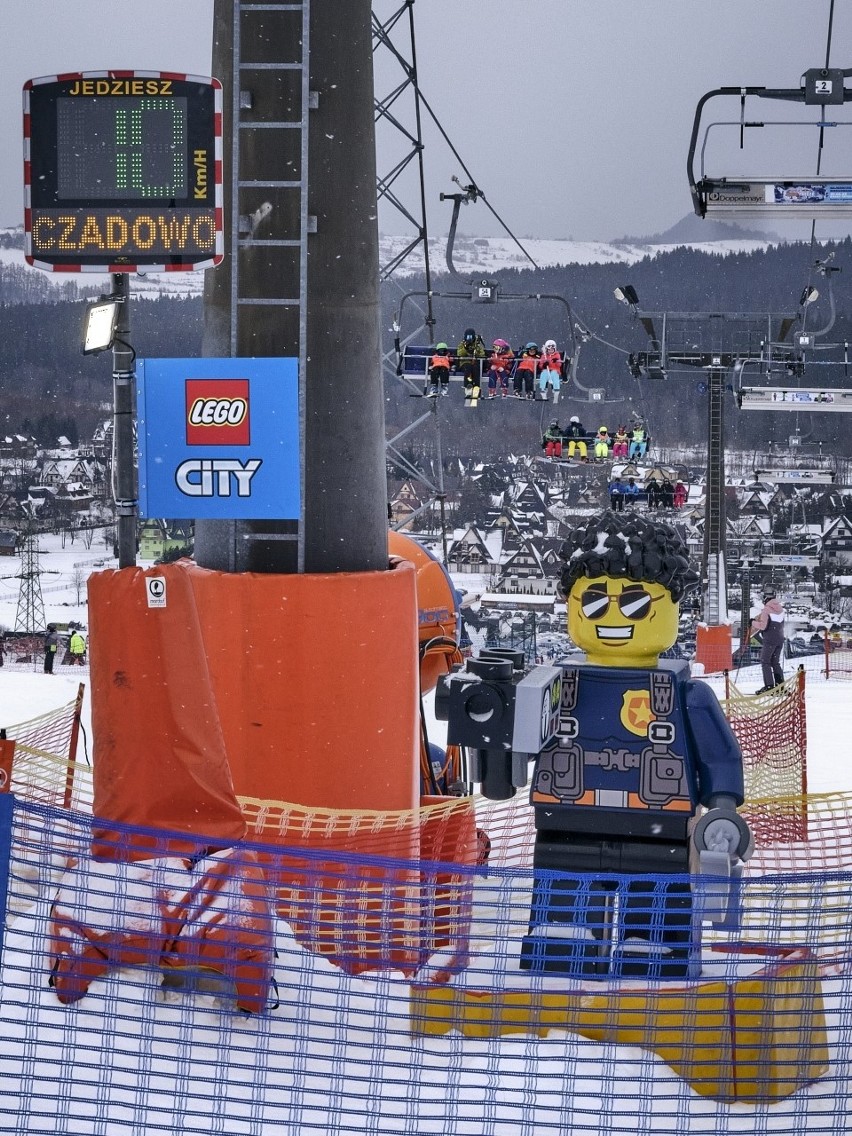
(271, 103)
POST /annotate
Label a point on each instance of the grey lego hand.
(721, 829)
(721, 835)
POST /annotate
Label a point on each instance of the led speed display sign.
(123, 170)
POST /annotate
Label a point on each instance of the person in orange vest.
(439, 371)
(524, 380)
(681, 495)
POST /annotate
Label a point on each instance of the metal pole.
(441, 495)
(345, 473)
(124, 484)
(716, 596)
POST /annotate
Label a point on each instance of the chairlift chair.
(807, 197)
(413, 359)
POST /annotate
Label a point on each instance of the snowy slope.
(471, 256)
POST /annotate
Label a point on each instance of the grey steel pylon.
(30, 614)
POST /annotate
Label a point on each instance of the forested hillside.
(43, 374)
(683, 280)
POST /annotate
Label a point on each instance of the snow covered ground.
(168, 1063)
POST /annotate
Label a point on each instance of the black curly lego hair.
(635, 548)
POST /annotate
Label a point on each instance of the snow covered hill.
(471, 256)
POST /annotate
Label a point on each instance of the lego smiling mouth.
(614, 634)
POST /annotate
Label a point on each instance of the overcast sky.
(573, 116)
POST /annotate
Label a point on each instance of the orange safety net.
(838, 659)
(356, 910)
(44, 768)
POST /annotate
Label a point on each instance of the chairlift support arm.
(699, 187)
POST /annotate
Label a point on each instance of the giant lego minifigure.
(639, 747)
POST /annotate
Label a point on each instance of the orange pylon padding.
(159, 756)
(437, 617)
(300, 688)
(315, 677)
(713, 647)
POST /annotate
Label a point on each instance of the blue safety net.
(257, 989)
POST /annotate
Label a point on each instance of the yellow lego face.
(619, 623)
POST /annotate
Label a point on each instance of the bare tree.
(78, 581)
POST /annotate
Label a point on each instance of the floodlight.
(99, 328)
(626, 295)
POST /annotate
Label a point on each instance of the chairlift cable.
(819, 159)
(828, 37)
(457, 156)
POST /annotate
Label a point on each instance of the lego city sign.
(123, 170)
(219, 439)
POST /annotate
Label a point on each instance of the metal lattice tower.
(30, 614)
(720, 344)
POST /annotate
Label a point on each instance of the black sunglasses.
(633, 603)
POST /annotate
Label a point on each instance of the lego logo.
(218, 411)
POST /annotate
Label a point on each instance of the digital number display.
(120, 148)
(123, 170)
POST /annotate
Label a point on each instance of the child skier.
(500, 367)
(439, 371)
(524, 380)
(550, 367)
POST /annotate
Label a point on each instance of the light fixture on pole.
(809, 294)
(627, 295)
(99, 326)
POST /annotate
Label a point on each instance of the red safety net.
(772, 732)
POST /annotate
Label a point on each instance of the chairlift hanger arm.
(787, 94)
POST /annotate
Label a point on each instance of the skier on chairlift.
(551, 440)
(500, 368)
(550, 368)
(470, 357)
(602, 444)
(439, 371)
(575, 436)
(620, 443)
(524, 380)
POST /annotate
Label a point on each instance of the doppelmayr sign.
(219, 439)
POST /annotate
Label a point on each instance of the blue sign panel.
(219, 439)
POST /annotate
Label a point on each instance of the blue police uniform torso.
(636, 752)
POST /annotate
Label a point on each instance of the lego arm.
(721, 837)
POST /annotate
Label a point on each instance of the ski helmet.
(441, 347)
(531, 347)
(550, 345)
(574, 418)
(602, 430)
(501, 344)
(469, 334)
(555, 422)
